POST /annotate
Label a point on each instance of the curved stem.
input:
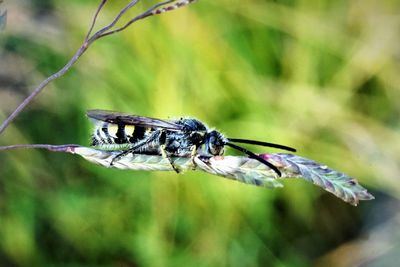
(103, 2)
(145, 14)
(41, 86)
(55, 148)
(87, 42)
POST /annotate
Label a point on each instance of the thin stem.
(63, 70)
(145, 14)
(115, 20)
(87, 42)
(103, 2)
(55, 148)
(154, 10)
(41, 86)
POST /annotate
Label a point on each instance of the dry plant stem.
(41, 86)
(54, 148)
(148, 13)
(54, 76)
(103, 2)
(242, 169)
(105, 31)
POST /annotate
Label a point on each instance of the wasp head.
(214, 143)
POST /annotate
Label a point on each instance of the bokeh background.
(322, 76)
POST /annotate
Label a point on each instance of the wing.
(122, 118)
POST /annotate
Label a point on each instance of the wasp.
(184, 137)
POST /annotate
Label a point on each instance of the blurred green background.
(322, 76)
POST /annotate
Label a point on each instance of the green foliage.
(319, 76)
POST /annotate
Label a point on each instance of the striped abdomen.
(108, 133)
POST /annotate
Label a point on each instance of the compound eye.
(213, 150)
(212, 147)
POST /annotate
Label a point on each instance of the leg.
(139, 145)
(167, 155)
(119, 156)
(193, 154)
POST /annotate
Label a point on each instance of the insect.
(185, 137)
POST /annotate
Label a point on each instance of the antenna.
(256, 157)
(259, 143)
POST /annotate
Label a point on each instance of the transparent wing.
(122, 118)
